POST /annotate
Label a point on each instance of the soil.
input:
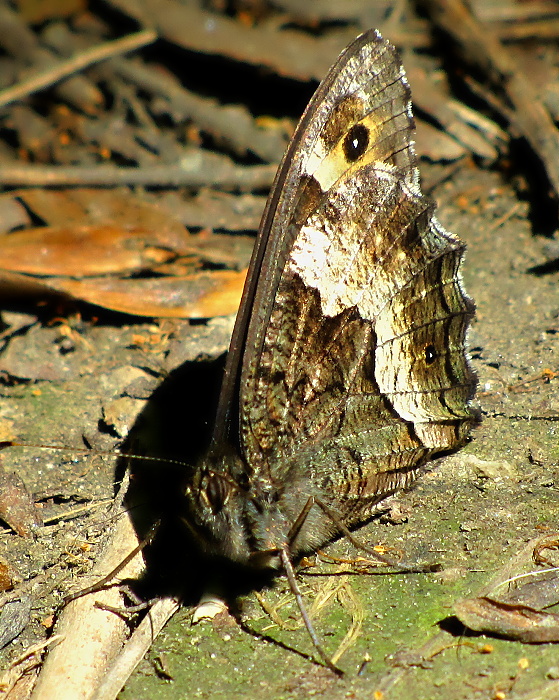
(91, 380)
(472, 512)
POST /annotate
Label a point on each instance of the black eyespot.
(430, 354)
(356, 142)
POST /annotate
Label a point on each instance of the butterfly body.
(347, 369)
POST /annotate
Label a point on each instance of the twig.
(91, 637)
(482, 47)
(544, 29)
(135, 649)
(22, 667)
(58, 72)
(202, 168)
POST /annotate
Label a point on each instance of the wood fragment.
(135, 648)
(198, 169)
(482, 48)
(17, 681)
(63, 69)
(516, 13)
(91, 637)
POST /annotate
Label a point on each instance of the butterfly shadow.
(175, 428)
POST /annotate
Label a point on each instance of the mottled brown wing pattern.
(347, 368)
(355, 369)
(366, 84)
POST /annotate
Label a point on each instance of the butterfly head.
(213, 512)
(232, 520)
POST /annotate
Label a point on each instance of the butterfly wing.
(366, 65)
(348, 354)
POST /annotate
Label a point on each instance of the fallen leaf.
(96, 241)
(518, 622)
(81, 251)
(17, 508)
(200, 295)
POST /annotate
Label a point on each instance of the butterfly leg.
(288, 568)
(389, 561)
(106, 580)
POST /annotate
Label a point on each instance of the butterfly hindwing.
(354, 370)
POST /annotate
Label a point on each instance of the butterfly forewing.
(366, 83)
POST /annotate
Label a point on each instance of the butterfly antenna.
(288, 567)
(85, 450)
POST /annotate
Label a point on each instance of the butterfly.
(347, 368)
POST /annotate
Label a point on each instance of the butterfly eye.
(355, 142)
(217, 492)
(430, 354)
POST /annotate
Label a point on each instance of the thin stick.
(74, 64)
(288, 567)
(135, 648)
(197, 168)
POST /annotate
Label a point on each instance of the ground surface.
(470, 516)
(474, 512)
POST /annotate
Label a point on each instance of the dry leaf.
(17, 508)
(200, 295)
(518, 622)
(81, 251)
(74, 258)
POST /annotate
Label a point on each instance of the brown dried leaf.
(118, 207)
(8, 575)
(81, 250)
(162, 220)
(17, 508)
(518, 622)
(537, 591)
(111, 245)
(200, 295)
